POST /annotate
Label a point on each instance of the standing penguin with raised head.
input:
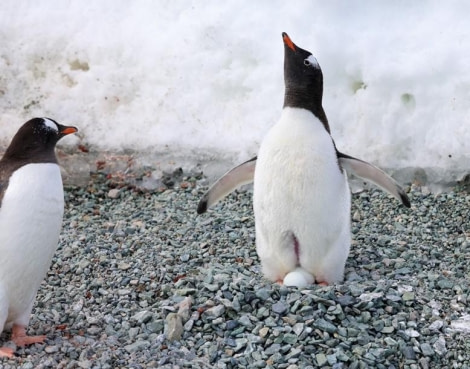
(301, 196)
(31, 209)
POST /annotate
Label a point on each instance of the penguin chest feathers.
(297, 176)
(30, 221)
(299, 145)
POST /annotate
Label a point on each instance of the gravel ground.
(140, 281)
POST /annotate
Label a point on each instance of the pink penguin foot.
(19, 337)
(6, 352)
(323, 283)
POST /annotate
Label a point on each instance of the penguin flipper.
(236, 177)
(375, 175)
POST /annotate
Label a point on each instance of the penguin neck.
(303, 98)
(13, 161)
(30, 155)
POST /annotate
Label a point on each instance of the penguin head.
(301, 68)
(37, 136)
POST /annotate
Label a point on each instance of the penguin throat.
(304, 99)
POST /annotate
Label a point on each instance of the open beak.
(288, 42)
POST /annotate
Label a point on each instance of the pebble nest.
(141, 281)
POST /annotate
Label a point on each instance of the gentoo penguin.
(31, 209)
(301, 197)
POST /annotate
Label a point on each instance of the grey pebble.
(279, 307)
(143, 316)
(325, 326)
(173, 327)
(215, 312)
(426, 349)
(137, 346)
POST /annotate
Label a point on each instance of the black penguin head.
(303, 80)
(301, 69)
(36, 139)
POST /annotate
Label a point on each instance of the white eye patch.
(311, 60)
(49, 123)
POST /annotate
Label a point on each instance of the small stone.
(321, 359)
(408, 296)
(426, 349)
(412, 333)
(230, 325)
(275, 347)
(298, 328)
(212, 286)
(51, 349)
(156, 326)
(259, 364)
(390, 341)
(461, 325)
(188, 325)
(388, 330)
(341, 356)
(215, 312)
(424, 363)
(173, 327)
(436, 325)
(263, 294)
(113, 193)
(133, 332)
(137, 346)
(85, 364)
(263, 332)
(185, 291)
(346, 300)
(440, 346)
(323, 325)
(445, 284)
(367, 297)
(279, 307)
(142, 316)
(184, 308)
(331, 359)
(408, 353)
(240, 343)
(290, 338)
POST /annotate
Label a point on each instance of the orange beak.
(288, 41)
(69, 130)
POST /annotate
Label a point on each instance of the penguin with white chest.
(301, 196)
(31, 209)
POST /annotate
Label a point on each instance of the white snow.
(203, 76)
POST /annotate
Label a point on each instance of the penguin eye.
(307, 62)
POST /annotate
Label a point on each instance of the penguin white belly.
(301, 200)
(30, 222)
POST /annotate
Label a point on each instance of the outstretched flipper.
(373, 174)
(230, 181)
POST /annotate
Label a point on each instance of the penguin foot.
(20, 338)
(6, 352)
(324, 284)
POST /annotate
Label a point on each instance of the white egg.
(299, 277)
